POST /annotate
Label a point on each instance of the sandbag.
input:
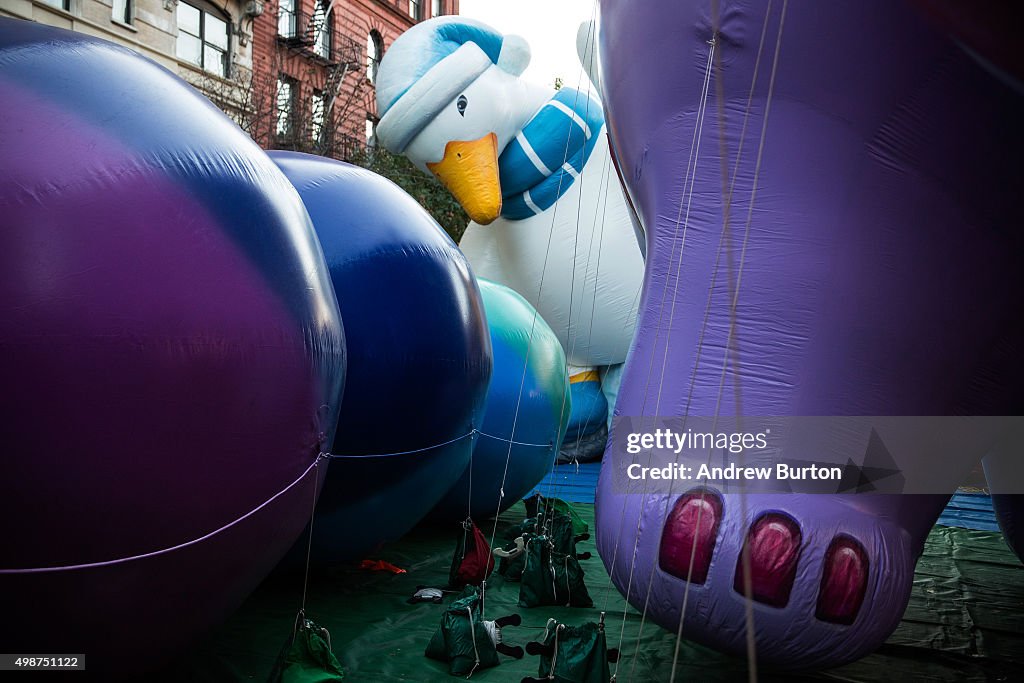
(551, 578)
(462, 639)
(573, 654)
(307, 657)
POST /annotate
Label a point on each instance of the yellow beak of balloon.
(470, 171)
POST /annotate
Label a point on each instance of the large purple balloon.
(881, 276)
(171, 355)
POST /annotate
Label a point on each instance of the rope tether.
(533, 324)
(173, 548)
(684, 223)
(745, 556)
(728, 195)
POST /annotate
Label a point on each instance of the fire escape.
(311, 37)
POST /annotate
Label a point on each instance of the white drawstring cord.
(472, 633)
(554, 653)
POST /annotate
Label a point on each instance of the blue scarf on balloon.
(543, 160)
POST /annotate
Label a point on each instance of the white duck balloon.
(531, 166)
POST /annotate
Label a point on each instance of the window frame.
(327, 29)
(291, 29)
(370, 132)
(204, 11)
(437, 8)
(62, 5)
(286, 132)
(373, 60)
(128, 18)
(318, 128)
(415, 9)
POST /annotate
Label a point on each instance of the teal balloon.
(530, 391)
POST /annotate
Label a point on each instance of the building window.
(414, 9)
(123, 10)
(374, 51)
(436, 8)
(323, 32)
(318, 110)
(286, 91)
(59, 4)
(286, 20)
(371, 132)
(202, 39)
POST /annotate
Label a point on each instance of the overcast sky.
(549, 26)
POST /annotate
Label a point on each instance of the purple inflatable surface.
(881, 274)
(171, 355)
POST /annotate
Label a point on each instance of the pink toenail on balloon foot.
(843, 582)
(690, 532)
(774, 546)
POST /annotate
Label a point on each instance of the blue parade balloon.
(419, 355)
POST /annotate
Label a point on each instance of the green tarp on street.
(965, 621)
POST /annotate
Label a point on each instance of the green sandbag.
(306, 657)
(462, 640)
(560, 532)
(551, 578)
(512, 567)
(538, 504)
(579, 527)
(530, 525)
(580, 654)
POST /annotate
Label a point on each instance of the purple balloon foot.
(831, 230)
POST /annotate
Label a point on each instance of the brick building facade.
(295, 74)
(314, 63)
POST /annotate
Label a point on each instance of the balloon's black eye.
(461, 104)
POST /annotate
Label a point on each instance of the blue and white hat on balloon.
(430, 64)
